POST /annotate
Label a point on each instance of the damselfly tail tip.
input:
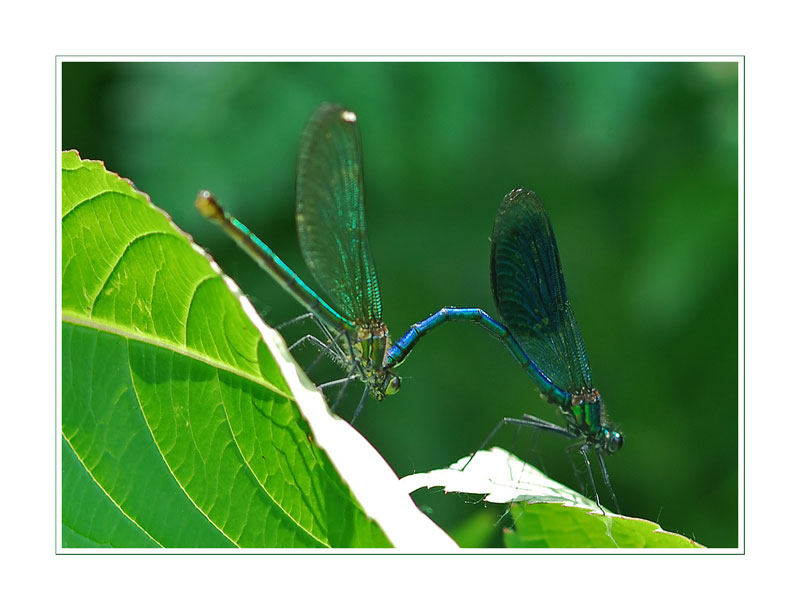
(208, 206)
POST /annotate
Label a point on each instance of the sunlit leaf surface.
(179, 427)
(545, 513)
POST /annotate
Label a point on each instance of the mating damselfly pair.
(538, 326)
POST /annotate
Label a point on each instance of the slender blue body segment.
(403, 346)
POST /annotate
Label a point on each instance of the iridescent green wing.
(530, 294)
(331, 222)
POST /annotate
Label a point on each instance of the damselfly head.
(391, 384)
(612, 440)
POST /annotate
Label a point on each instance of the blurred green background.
(637, 166)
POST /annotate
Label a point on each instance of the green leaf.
(550, 525)
(545, 513)
(185, 422)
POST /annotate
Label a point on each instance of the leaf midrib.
(78, 320)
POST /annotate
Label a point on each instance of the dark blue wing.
(530, 294)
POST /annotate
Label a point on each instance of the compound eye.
(393, 387)
(614, 443)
